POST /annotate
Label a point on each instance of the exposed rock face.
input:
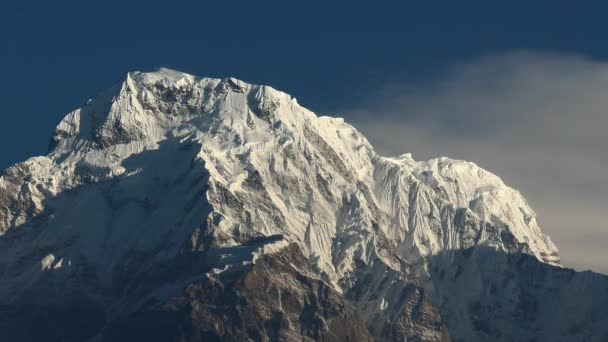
(276, 299)
(173, 207)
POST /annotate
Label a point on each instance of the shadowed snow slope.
(168, 180)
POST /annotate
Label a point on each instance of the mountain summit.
(174, 207)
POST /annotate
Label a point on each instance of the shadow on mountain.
(157, 212)
(487, 295)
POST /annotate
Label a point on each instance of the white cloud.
(539, 121)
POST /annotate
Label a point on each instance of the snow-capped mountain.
(173, 207)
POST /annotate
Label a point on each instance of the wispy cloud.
(538, 120)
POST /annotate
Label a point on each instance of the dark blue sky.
(57, 54)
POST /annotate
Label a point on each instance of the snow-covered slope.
(166, 164)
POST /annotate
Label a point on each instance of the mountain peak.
(169, 168)
(160, 74)
(148, 105)
(169, 77)
(245, 128)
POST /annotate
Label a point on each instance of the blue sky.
(56, 54)
(515, 86)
